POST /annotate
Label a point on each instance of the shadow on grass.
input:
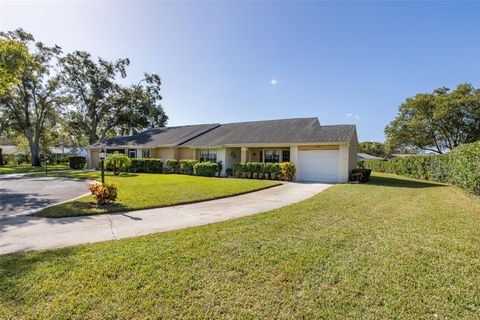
(401, 182)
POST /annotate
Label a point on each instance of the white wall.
(343, 164)
(221, 157)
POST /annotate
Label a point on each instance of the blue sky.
(345, 62)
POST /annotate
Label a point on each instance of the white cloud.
(351, 115)
(274, 82)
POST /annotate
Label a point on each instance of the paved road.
(24, 233)
(20, 194)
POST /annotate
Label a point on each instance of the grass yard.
(25, 168)
(393, 248)
(141, 191)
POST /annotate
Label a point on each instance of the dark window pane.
(286, 155)
(208, 155)
(272, 156)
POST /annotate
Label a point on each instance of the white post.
(294, 159)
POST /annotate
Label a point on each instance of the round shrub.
(104, 193)
(186, 166)
(77, 162)
(118, 162)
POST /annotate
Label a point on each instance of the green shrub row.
(147, 165)
(263, 170)
(77, 162)
(460, 167)
(256, 167)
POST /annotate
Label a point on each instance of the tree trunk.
(34, 149)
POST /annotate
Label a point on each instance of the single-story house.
(366, 156)
(320, 152)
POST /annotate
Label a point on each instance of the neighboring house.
(398, 155)
(366, 156)
(68, 151)
(10, 149)
(320, 153)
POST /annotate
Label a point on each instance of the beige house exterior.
(328, 153)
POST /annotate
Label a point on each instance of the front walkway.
(24, 233)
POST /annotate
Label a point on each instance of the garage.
(318, 165)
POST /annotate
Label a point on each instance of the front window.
(208, 155)
(272, 156)
(132, 153)
(285, 155)
(146, 153)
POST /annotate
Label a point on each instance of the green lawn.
(141, 191)
(24, 168)
(393, 248)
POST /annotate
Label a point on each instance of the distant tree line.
(47, 96)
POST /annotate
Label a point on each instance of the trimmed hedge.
(263, 170)
(186, 166)
(77, 162)
(147, 165)
(206, 169)
(464, 167)
(172, 165)
(256, 167)
(460, 167)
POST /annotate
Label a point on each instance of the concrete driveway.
(24, 233)
(22, 194)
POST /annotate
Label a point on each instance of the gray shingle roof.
(284, 131)
(168, 136)
(300, 130)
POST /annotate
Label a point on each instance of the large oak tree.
(100, 105)
(437, 121)
(35, 100)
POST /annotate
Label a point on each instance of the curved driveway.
(22, 194)
(25, 233)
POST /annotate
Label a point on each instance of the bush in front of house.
(263, 169)
(288, 170)
(460, 167)
(360, 174)
(186, 166)
(205, 169)
(104, 194)
(146, 165)
(77, 162)
(118, 162)
(172, 165)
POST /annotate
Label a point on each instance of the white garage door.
(318, 165)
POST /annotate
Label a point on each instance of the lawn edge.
(37, 213)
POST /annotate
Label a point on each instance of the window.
(132, 153)
(146, 153)
(272, 156)
(208, 155)
(285, 155)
